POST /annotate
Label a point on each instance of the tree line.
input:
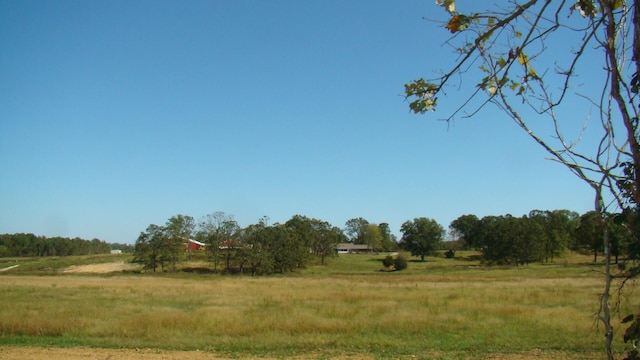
(263, 248)
(257, 249)
(30, 245)
(541, 236)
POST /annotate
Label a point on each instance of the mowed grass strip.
(461, 313)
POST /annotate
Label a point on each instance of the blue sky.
(118, 114)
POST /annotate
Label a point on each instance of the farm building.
(230, 244)
(194, 245)
(346, 248)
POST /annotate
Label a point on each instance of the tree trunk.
(606, 310)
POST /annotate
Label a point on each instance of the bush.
(387, 261)
(400, 263)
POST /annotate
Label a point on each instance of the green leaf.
(501, 62)
(424, 94)
(483, 84)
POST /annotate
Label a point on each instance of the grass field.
(443, 309)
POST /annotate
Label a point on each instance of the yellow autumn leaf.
(523, 59)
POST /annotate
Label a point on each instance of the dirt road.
(101, 268)
(34, 353)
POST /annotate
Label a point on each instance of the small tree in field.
(387, 262)
(421, 236)
(400, 262)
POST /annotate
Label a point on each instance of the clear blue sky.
(118, 114)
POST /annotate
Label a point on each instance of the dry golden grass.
(428, 312)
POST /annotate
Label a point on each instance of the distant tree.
(142, 252)
(125, 248)
(387, 262)
(526, 244)
(377, 236)
(355, 229)
(326, 239)
(389, 241)
(511, 240)
(620, 238)
(465, 228)
(258, 239)
(32, 245)
(179, 230)
(558, 230)
(230, 231)
(494, 239)
(4, 251)
(421, 236)
(290, 251)
(589, 234)
(372, 236)
(149, 247)
(218, 230)
(304, 229)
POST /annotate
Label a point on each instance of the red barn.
(194, 245)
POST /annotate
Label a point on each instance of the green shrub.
(400, 262)
(388, 261)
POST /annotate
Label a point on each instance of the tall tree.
(180, 230)
(150, 246)
(421, 236)
(325, 239)
(217, 231)
(526, 240)
(495, 238)
(372, 236)
(465, 228)
(257, 240)
(558, 230)
(389, 241)
(355, 229)
(589, 234)
(530, 54)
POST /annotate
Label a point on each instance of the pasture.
(440, 309)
